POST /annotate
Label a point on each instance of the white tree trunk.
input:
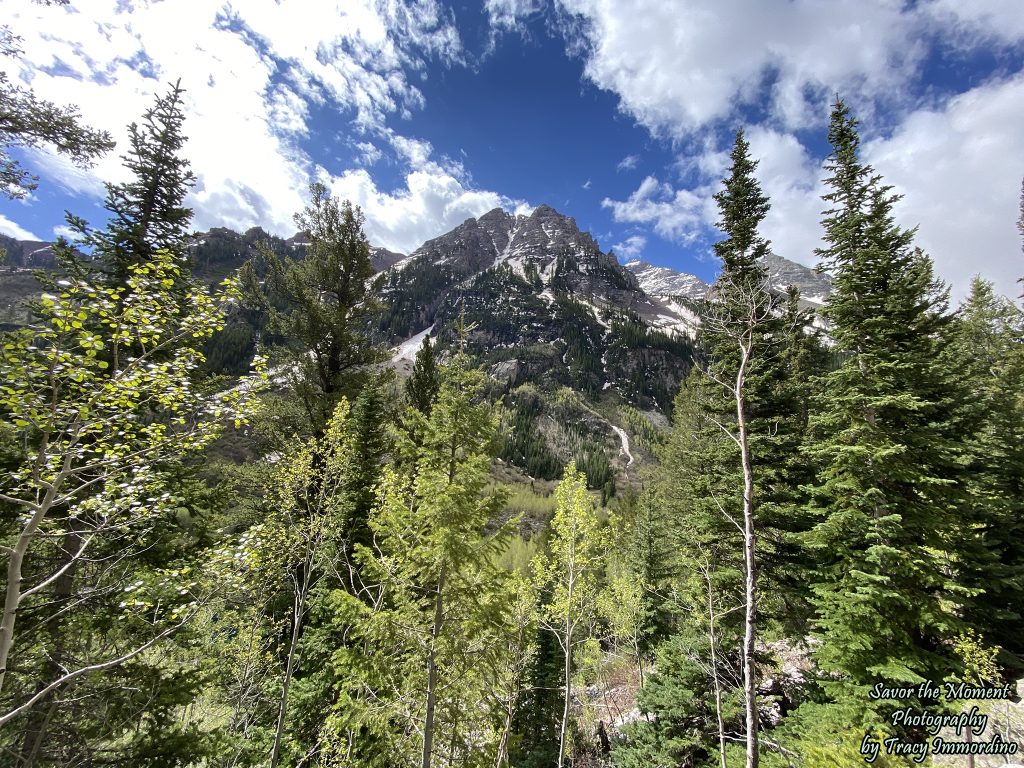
(749, 567)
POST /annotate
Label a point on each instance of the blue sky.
(619, 113)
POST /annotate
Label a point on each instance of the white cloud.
(628, 163)
(368, 153)
(251, 74)
(678, 66)
(960, 169)
(686, 70)
(631, 248)
(432, 202)
(63, 230)
(15, 230)
(980, 21)
(674, 214)
(793, 182)
(508, 14)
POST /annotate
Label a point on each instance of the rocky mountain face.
(814, 288)
(663, 281)
(585, 353)
(547, 307)
(583, 359)
(26, 254)
(666, 283)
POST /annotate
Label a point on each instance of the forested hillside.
(305, 502)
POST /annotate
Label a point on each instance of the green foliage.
(101, 441)
(681, 727)
(986, 346)
(524, 445)
(887, 444)
(426, 637)
(412, 296)
(320, 306)
(567, 575)
(147, 212)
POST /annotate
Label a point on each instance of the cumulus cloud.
(13, 229)
(979, 21)
(792, 179)
(960, 169)
(689, 70)
(675, 214)
(432, 202)
(62, 230)
(252, 76)
(677, 66)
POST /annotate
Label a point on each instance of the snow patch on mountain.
(407, 349)
(662, 281)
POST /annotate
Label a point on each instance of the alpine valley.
(585, 351)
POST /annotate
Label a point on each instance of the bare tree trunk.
(435, 633)
(15, 561)
(749, 568)
(506, 729)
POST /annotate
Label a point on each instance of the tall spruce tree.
(747, 318)
(741, 328)
(318, 306)
(147, 212)
(731, 471)
(885, 442)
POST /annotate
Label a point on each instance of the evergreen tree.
(319, 306)
(421, 387)
(986, 346)
(742, 206)
(888, 485)
(372, 442)
(147, 213)
(731, 475)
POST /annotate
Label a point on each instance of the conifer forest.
(308, 503)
